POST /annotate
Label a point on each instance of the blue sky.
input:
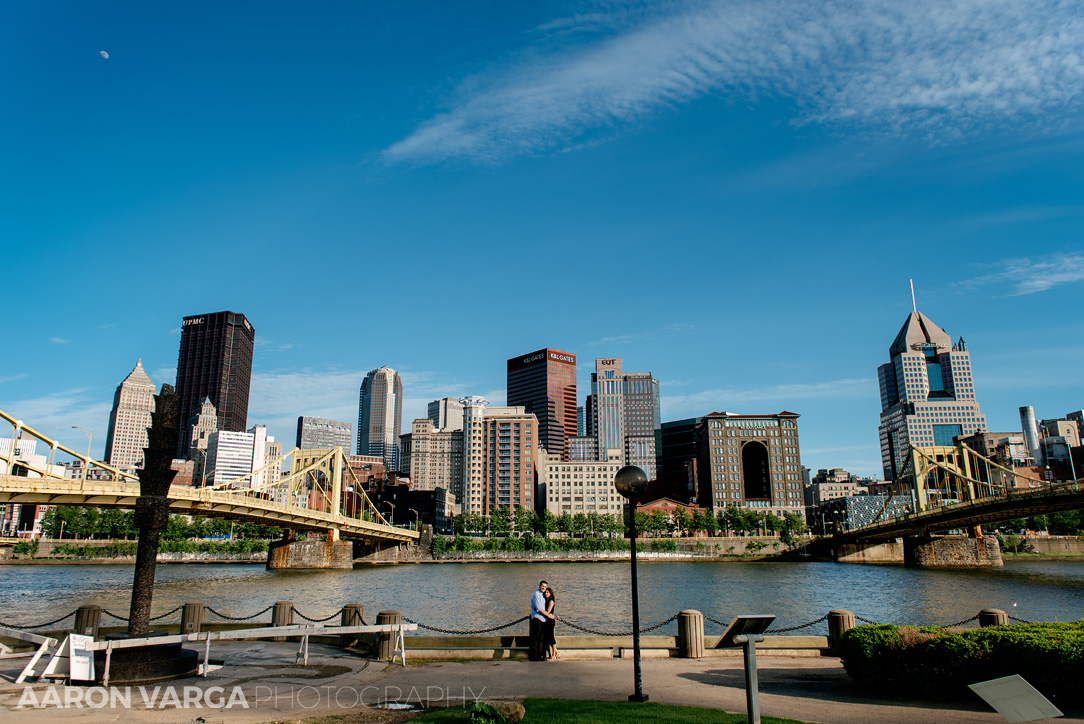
(730, 195)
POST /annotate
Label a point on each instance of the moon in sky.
(103, 54)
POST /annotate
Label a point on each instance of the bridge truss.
(953, 487)
(321, 493)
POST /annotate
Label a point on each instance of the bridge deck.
(234, 505)
(1017, 503)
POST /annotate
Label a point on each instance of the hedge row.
(939, 663)
(128, 548)
(541, 543)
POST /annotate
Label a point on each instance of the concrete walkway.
(273, 688)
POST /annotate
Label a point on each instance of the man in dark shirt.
(535, 652)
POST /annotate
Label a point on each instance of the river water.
(596, 595)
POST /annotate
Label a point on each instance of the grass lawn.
(574, 711)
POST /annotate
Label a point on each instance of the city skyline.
(738, 221)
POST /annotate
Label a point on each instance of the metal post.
(631, 482)
(752, 695)
(639, 695)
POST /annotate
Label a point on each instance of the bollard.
(282, 614)
(993, 617)
(690, 638)
(839, 621)
(192, 618)
(88, 619)
(353, 615)
(386, 645)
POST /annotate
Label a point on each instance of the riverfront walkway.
(807, 689)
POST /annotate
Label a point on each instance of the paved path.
(274, 688)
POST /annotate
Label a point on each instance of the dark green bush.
(941, 663)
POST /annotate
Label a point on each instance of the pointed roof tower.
(918, 333)
(139, 375)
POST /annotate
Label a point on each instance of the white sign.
(81, 661)
(1015, 699)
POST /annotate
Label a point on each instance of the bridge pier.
(951, 552)
(287, 554)
(884, 551)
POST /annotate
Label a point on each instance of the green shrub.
(941, 663)
(755, 546)
(27, 547)
(664, 544)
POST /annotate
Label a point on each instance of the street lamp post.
(416, 518)
(392, 520)
(631, 482)
(203, 476)
(86, 463)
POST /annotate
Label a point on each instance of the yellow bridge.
(942, 489)
(320, 494)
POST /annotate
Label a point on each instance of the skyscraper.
(500, 451)
(544, 384)
(625, 407)
(927, 394)
(380, 416)
(446, 413)
(133, 404)
(324, 433)
(215, 361)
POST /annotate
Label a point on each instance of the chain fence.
(593, 632)
(797, 628)
(20, 627)
(239, 618)
(472, 632)
(318, 620)
(465, 632)
(958, 624)
(167, 613)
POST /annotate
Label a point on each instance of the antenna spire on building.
(914, 306)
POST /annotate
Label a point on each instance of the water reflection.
(596, 595)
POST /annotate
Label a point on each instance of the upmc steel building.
(544, 382)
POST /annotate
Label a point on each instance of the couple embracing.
(543, 619)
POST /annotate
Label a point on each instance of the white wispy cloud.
(12, 378)
(733, 399)
(641, 336)
(59, 340)
(278, 397)
(1028, 276)
(53, 416)
(931, 67)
